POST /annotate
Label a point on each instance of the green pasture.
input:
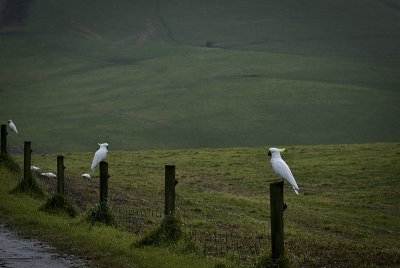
(98, 246)
(137, 74)
(345, 216)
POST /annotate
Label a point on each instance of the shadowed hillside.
(138, 74)
(13, 12)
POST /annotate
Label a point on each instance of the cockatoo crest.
(275, 150)
(103, 145)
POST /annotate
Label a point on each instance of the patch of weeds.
(188, 246)
(29, 187)
(59, 204)
(168, 232)
(101, 213)
(233, 257)
(219, 265)
(9, 163)
(266, 261)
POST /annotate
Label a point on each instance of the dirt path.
(18, 252)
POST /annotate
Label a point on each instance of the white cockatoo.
(34, 168)
(86, 175)
(281, 168)
(100, 155)
(12, 126)
(49, 175)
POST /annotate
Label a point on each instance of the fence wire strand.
(137, 214)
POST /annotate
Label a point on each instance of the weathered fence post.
(276, 201)
(60, 174)
(104, 181)
(27, 162)
(3, 139)
(169, 189)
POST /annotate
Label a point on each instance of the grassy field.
(98, 245)
(347, 214)
(137, 74)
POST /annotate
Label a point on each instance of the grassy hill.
(137, 74)
(346, 215)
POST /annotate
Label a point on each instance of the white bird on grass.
(34, 168)
(86, 175)
(12, 126)
(49, 175)
(281, 168)
(100, 155)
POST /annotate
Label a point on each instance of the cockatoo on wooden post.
(100, 155)
(12, 126)
(281, 168)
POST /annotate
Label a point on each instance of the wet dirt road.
(16, 252)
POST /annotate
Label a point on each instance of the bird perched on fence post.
(12, 126)
(281, 168)
(99, 155)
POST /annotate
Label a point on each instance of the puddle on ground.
(17, 252)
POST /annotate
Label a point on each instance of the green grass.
(99, 245)
(346, 215)
(137, 74)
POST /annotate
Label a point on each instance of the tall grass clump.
(266, 261)
(7, 161)
(168, 232)
(101, 213)
(59, 204)
(28, 186)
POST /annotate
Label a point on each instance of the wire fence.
(244, 247)
(138, 215)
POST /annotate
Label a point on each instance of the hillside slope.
(137, 74)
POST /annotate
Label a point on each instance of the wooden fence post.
(3, 139)
(169, 189)
(27, 162)
(276, 201)
(104, 181)
(60, 174)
